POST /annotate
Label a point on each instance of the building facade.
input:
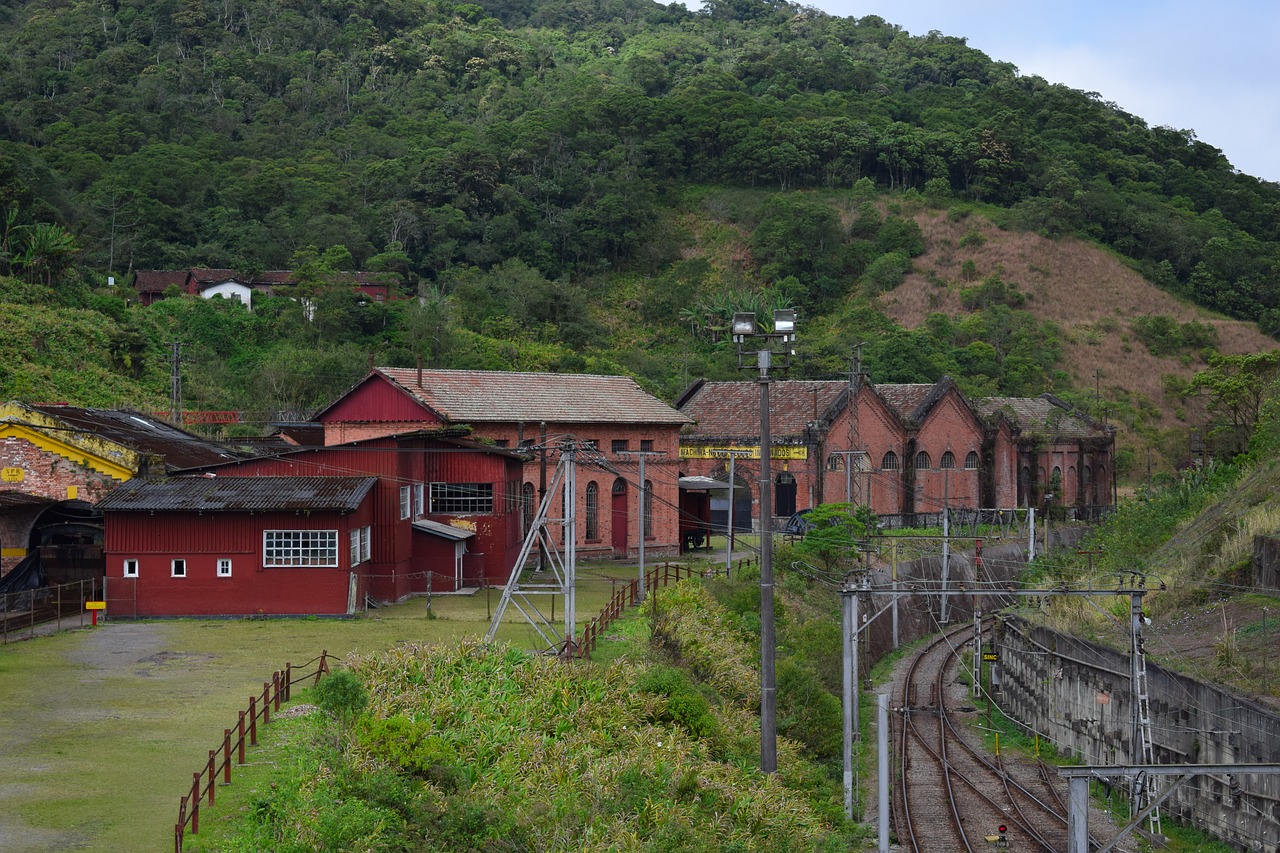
(610, 420)
(907, 450)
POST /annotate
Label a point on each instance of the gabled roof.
(141, 433)
(731, 410)
(240, 494)
(1044, 416)
(485, 396)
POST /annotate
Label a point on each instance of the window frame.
(973, 458)
(947, 461)
(129, 568)
(406, 502)
(221, 564)
(889, 462)
(591, 511)
(308, 544)
(461, 499)
(928, 461)
(175, 564)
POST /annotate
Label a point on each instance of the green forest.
(572, 185)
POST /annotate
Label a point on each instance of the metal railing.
(63, 605)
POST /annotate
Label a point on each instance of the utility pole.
(783, 334)
(853, 489)
(943, 614)
(644, 502)
(175, 385)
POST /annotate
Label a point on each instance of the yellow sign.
(95, 605)
(778, 452)
(12, 475)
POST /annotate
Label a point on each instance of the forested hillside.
(569, 186)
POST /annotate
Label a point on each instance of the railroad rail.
(952, 795)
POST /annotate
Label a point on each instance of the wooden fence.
(204, 782)
(663, 574)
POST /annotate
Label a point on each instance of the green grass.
(104, 727)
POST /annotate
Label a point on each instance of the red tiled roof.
(481, 396)
(148, 281)
(732, 409)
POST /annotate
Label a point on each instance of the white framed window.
(353, 550)
(179, 568)
(131, 568)
(366, 538)
(419, 500)
(461, 498)
(224, 567)
(406, 501)
(308, 548)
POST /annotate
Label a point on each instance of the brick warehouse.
(911, 449)
(535, 411)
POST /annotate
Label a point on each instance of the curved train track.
(952, 795)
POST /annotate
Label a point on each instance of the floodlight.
(744, 323)
(784, 321)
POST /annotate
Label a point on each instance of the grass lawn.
(103, 727)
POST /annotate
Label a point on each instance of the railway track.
(952, 795)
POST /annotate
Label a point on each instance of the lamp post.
(782, 336)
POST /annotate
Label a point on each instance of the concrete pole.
(728, 544)
(1078, 814)
(644, 495)
(943, 614)
(849, 695)
(893, 550)
(768, 681)
(883, 771)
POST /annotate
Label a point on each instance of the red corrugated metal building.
(237, 546)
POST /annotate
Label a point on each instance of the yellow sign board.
(777, 452)
(95, 605)
(12, 475)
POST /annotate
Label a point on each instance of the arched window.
(1088, 476)
(948, 460)
(923, 462)
(593, 510)
(889, 462)
(648, 509)
(971, 461)
(527, 506)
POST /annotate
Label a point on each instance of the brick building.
(908, 450)
(537, 411)
(58, 461)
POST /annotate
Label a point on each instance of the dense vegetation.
(568, 185)
(467, 748)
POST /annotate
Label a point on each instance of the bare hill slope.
(1090, 293)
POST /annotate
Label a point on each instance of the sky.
(1209, 67)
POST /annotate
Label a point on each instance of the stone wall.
(1077, 695)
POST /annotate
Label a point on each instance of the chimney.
(419, 370)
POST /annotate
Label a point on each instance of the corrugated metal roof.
(483, 396)
(697, 484)
(239, 494)
(732, 409)
(446, 531)
(1041, 416)
(144, 434)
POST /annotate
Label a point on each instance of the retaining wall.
(1077, 695)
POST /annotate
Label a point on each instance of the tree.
(836, 531)
(1235, 388)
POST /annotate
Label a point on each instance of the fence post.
(226, 756)
(288, 679)
(266, 702)
(240, 738)
(213, 774)
(195, 803)
(253, 721)
(324, 664)
(275, 688)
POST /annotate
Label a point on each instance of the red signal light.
(1003, 829)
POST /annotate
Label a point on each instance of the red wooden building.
(535, 411)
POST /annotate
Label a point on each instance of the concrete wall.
(1077, 695)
